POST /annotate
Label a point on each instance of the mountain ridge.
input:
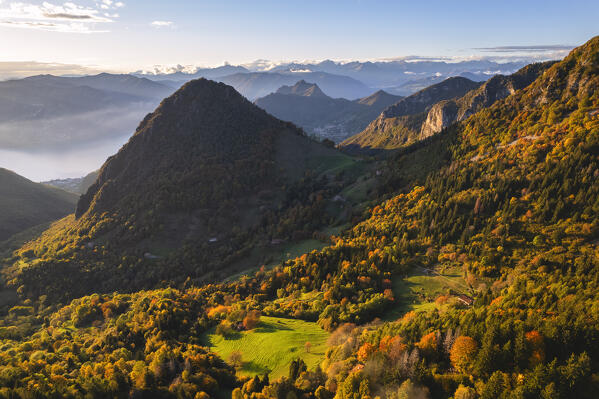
(307, 106)
(27, 204)
(395, 125)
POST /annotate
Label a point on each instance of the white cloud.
(162, 24)
(68, 17)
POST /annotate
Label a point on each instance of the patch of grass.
(272, 346)
(418, 291)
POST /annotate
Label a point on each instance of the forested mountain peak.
(576, 75)
(203, 117)
(205, 178)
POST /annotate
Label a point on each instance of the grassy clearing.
(418, 291)
(271, 346)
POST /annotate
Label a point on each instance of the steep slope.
(307, 106)
(399, 124)
(447, 112)
(205, 179)
(24, 204)
(390, 132)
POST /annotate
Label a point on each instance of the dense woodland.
(510, 195)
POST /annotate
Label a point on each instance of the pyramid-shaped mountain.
(302, 88)
(205, 180)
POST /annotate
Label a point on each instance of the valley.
(293, 230)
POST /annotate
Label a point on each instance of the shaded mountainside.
(397, 124)
(398, 127)
(24, 204)
(206, 178)
(307, 106)
(508, 197)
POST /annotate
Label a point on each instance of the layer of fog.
(66, 147)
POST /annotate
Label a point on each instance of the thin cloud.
(162, 24)
(63, 15)
(526, 49)
(68, 17)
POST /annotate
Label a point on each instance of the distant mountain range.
(307, 106)
(400, 77)
(51, 111)
(24, 204)
(259, 84)
(77, 185)
(429, 111)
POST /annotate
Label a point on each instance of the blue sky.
(138, 34)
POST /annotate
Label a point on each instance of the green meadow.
(272, 346)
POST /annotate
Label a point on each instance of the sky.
(132, 35)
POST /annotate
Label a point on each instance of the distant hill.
(307, 106)
(302, 88)
(78, 185)
(207, 178)
(431, 110)
(24, 204)
(259, 84)
(48, 110)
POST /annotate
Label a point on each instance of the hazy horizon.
(133, 35)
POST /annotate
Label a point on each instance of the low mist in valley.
(60, 163)
(69, 146)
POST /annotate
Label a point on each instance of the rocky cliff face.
(445, 113)
(400, 124)
(424, 99)
(441, 115)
